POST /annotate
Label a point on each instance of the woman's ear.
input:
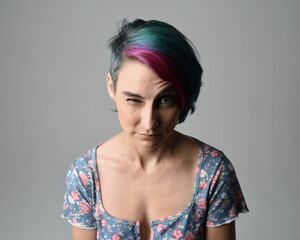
(110, 86)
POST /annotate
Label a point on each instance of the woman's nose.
(149, 118)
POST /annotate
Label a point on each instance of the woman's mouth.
(146, 136)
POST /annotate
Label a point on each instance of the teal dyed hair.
(166, 51)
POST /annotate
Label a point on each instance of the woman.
(150, 181)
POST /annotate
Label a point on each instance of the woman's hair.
(166, 51)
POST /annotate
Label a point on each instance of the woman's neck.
(145, 158)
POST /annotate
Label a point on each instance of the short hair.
(164, 49)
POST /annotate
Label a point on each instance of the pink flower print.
(152, 235)
(88, 154)
(98, 209)
(203, 184)
(75, 195)
(101, 208)
(74, 220)
(84, 179)
(177, 233)
(210, 223)
(217, 174)
(81, 212)
(103, 222)
(202, 173)
(197, 216)
(189, 236)
(115, 237)
(232, 212)
(214, 153)
(97, 185)
(159, 227)
(201, 203)
(200, 195)
(206, 147)
(85, 206)
(64, 207)
(217, 203)
(90, 164)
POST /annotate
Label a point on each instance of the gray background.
(54, 105)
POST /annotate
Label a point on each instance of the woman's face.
(148, 106)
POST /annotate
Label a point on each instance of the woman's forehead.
(137, 76)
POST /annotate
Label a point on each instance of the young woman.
(150, 181)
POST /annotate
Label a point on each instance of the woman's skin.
(148, 170)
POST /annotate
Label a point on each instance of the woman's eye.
(167, 99)
(134, 100)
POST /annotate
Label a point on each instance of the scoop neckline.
(155, 221)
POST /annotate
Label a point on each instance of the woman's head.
(166, 51)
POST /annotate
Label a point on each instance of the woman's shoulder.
(109, 147)
(205, 149)
(210, 155)
(210, 151)
(85, 162)
(213, 160)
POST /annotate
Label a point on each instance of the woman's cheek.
(172, 115)
(127, 115)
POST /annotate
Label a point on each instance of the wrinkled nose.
(149, 118)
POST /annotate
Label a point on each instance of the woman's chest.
(146, 201)
(144, 198)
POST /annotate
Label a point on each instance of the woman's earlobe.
(110, 86)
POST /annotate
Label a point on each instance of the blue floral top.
(217, 199)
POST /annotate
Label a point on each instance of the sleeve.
(78, 203)
(226, 199)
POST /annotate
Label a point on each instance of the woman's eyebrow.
(167, 89)
(162, 92)
(130, 94)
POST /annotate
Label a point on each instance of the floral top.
(217, 199)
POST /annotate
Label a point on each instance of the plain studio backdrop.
(54, 103)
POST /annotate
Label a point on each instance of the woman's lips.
(147, 136)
